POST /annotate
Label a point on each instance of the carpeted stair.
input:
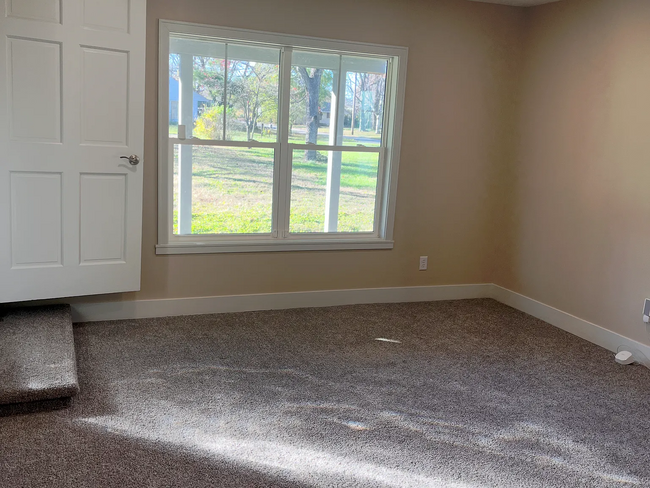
(37, 356)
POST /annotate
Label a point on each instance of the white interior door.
(71, 106)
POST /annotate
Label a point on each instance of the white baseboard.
(92, 312)
(565, 321)
(139, 309)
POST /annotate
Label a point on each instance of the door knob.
(133, 159)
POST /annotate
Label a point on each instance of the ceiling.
(519, 3)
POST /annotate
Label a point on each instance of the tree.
(174, 65)
(210, 124)
(251, 94)
(208, 78)
(379, 88)
(298, 100)
(368, 95)
(251, 88)
(312, 83)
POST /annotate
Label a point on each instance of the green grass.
(370, 139)
(232, 191)
(356, 204)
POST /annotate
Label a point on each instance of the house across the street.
(198, 105)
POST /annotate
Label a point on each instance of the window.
(274, 142)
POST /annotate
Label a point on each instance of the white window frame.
(280, 239)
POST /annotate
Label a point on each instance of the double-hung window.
(276, 142)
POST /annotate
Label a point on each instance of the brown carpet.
(475, 395)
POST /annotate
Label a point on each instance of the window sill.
(272, 246)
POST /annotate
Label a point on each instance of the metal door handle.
(133, 159)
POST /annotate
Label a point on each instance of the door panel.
(35, 95)
(44, 10)
(105, 76)
(103, 15)
(103, 218)
(36, 231)
(71, 105)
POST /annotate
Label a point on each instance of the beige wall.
(580, 239)
(525, 160)
(463, 57)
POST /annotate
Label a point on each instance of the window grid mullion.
(381, 213)
(325, 148)
(220, 143)
(283, 182)
(225, 91)
(379, 206)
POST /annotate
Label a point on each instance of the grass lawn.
(370, 139)
(232, 191)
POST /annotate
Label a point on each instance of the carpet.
(37, 357)
(474, 394)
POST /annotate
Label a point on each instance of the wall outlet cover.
(646, 307)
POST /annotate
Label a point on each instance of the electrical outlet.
(424, 261)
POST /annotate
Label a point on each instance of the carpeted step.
(37, 357)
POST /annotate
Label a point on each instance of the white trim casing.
(588, 331)
(269, 245)
(90, 312)
(280, 239)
